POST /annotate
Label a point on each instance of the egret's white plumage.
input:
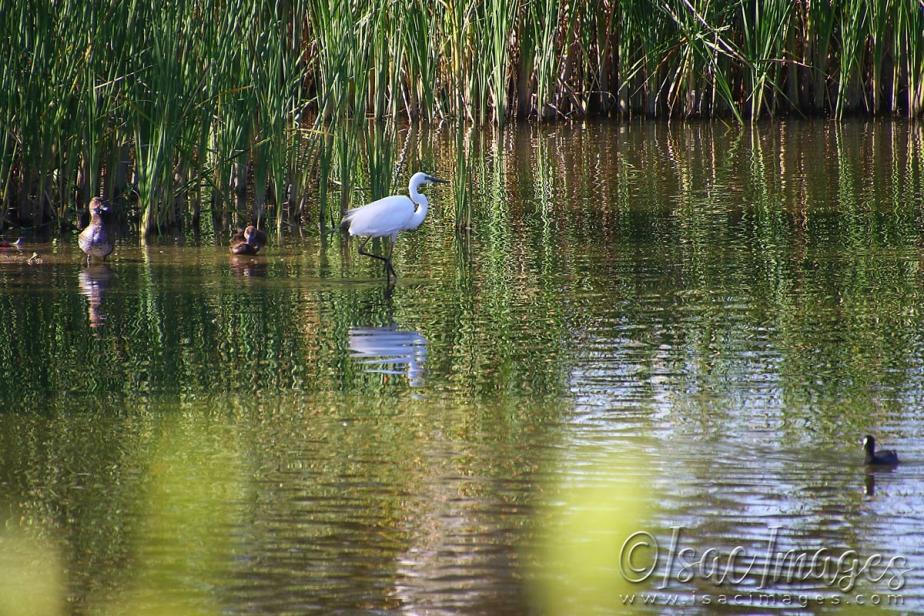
(385, 217)
(389, 216)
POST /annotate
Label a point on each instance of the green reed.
(853, 26)
(765, 32)
(422, 59)
(203, 108)
(910, 23)
(544, 18)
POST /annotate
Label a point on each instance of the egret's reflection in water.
(390, 351)
(94, 281)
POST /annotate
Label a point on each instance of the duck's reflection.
(94, 281)
(390, 351)
(869, 482)
(869, 485)
(248, 267)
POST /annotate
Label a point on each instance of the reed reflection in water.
(736, 307)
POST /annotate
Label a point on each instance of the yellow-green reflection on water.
(186, 431)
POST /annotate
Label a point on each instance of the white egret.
(388, 216)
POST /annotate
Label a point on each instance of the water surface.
(705, 318)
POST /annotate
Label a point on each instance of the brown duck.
(248, 242)
(96, 240)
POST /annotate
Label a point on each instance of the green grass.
(227, 112)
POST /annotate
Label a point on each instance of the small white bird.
(389, 216)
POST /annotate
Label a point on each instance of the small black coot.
(883, 457)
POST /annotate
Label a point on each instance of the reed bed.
(213, 113)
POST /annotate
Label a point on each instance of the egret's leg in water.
(390, 269)
(362, 251)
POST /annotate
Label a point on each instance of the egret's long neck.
(416, 197)
(420, 212)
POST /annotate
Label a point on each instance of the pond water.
(683, 330)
